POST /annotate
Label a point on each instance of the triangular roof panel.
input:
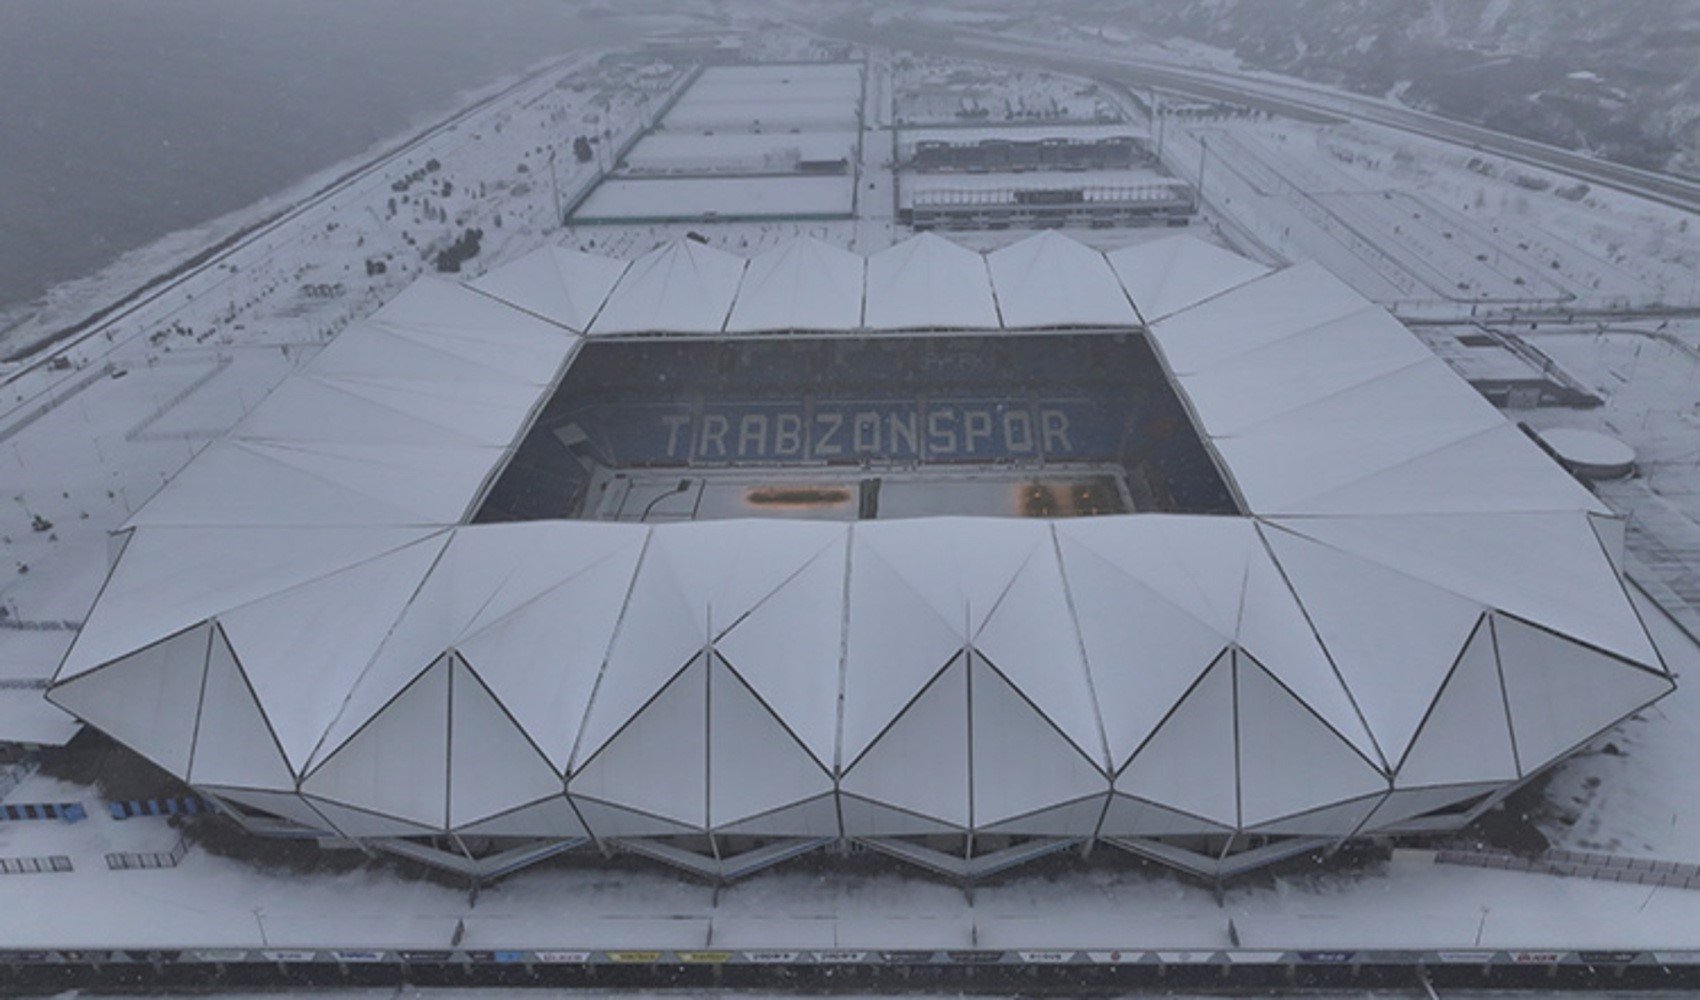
(397, 765)
(1466, 734)
(929, 283)
(920, 763)
(1050, 280)
(1167, 275)
(1544, 567)
(1188, 765)
(754, 765)
(148, 700)
(234, 744)
(561, 285)
(170, 578)
(493, 768)
(802, 284)
(682, 287)
(1022, 764)
(656, 764)
(1562, 694)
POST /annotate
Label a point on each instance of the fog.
(122, 122)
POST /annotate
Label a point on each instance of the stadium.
(962, 558)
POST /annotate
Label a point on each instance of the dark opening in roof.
(1045, 425)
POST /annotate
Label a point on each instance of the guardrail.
(35, 866)
(69, 812)
(188, 805)
(130, 860)
(1582, 864)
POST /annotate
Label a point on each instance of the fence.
(35, 866)
(188, 805)
(70, 812)
(126, 860)
(1582, 864)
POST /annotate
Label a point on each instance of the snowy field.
(86, 440)
(935, 91)
(766, 97)
(633, 200)
(82, 446)
(749, 126)
(1428, 229)
(579, 902)
(749, 152)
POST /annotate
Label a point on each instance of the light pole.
(1203, 151)
(555, 184)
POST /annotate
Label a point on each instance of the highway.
(1287, 97)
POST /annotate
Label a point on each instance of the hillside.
(1619, 78)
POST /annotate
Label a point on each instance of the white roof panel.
(655, 763)
(1256, 314)
(802, 284)
(1560, 692)
(1275, 631)
(493, 768)
(397, 765)
(1188, 765)
(894, 643)
(1167, 275)
(788, 649)
(682, 287)
(754, 765)
(548, 693)
(1467, 734)
(148, 700)
(234, 744)
(305, 648)
(171, 578)
(235, 484)
(1022, 764)
(1394, 665)
(929, 283)
(920, 764)
(1290, 762)
(1031, 639)
(1142, 649)
(1050, 280)
(563, 286)
(1546, 568)
(450, 309)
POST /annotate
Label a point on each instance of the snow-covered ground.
(86, 440)
(769, 97)
(82, 445)
(210, 901)
(682, 152)
(1432, 229)
(633, 200)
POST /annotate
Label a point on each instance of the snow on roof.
(1318, 402)
(1168, 275)
(1418, 605)
(684, 286)
(929, 283)
(563, 286)
(802, 284)
(1050, 280)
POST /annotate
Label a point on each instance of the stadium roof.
(1417, 607)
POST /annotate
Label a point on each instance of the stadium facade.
(1289, 581)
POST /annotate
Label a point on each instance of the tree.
(582, 150)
